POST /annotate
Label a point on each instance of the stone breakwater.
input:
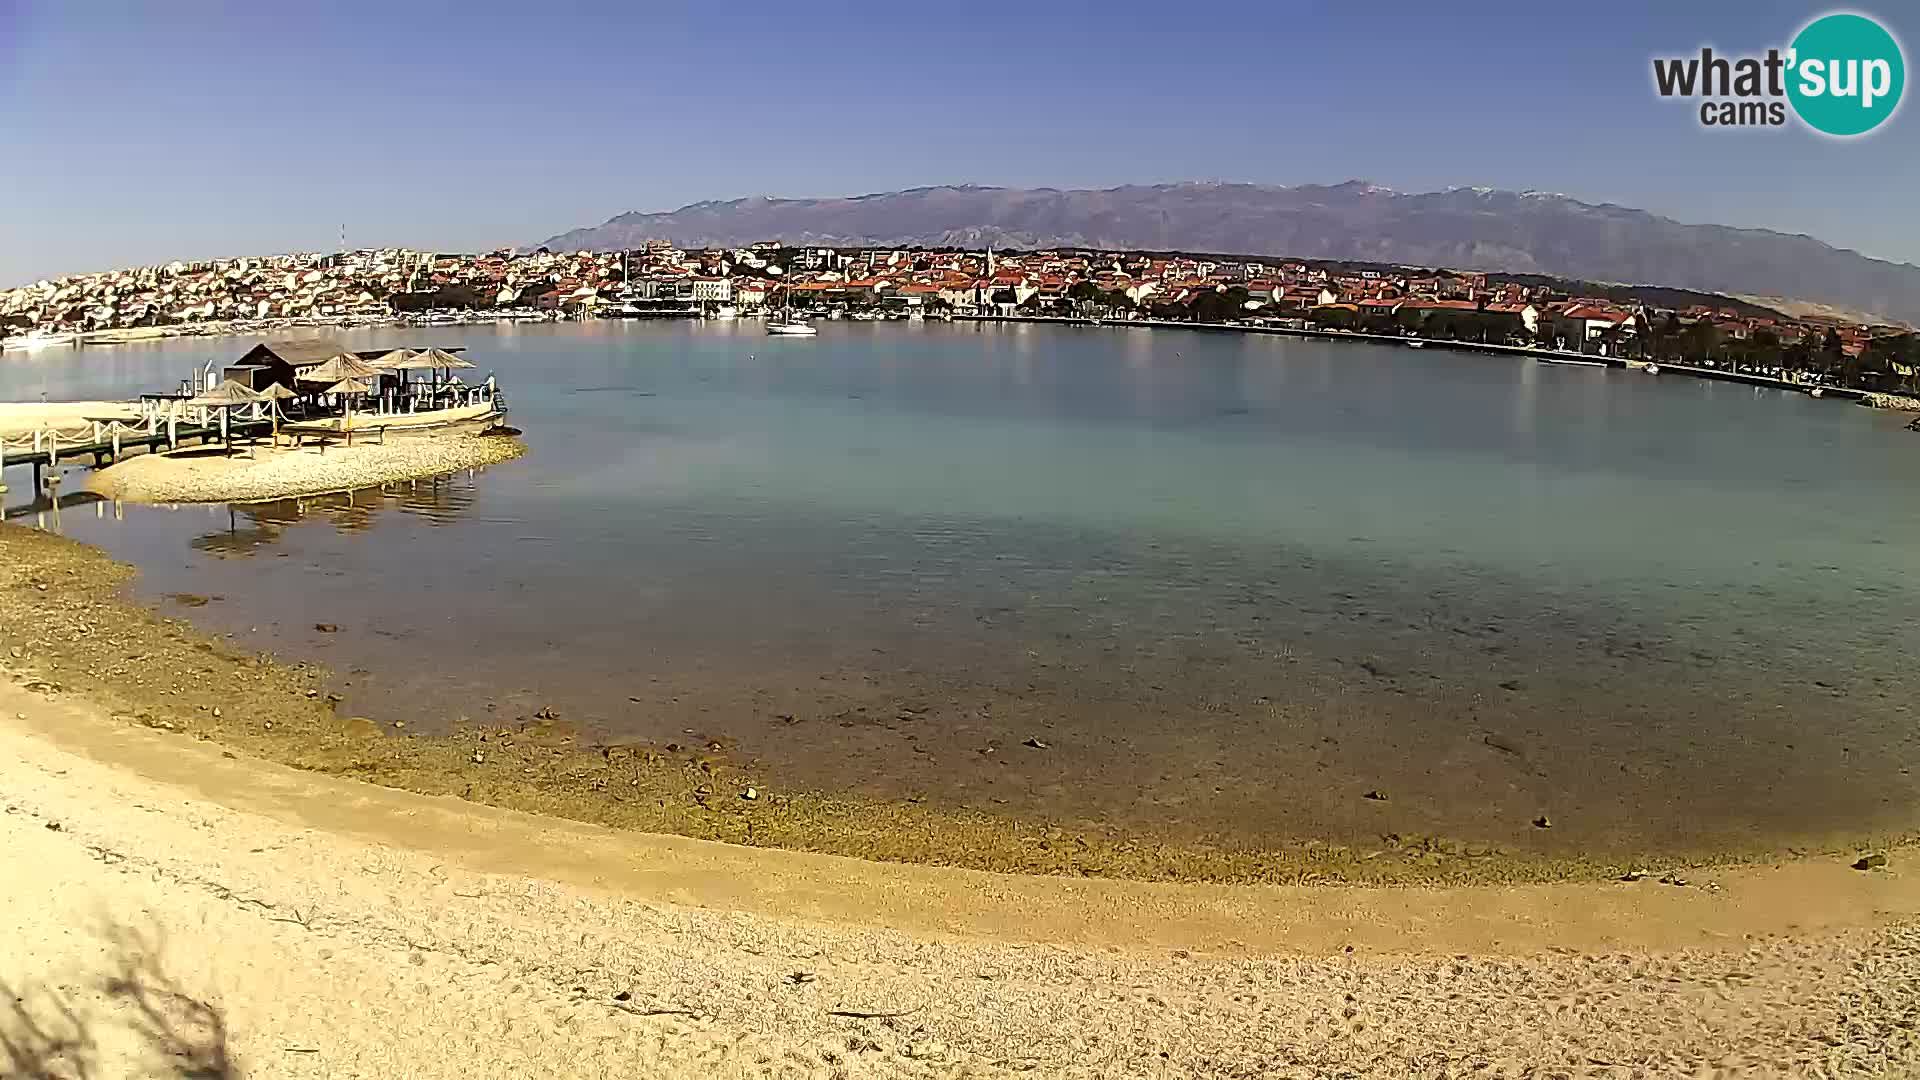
(1899, 402)
(266, 472)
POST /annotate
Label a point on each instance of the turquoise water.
(1232, 583)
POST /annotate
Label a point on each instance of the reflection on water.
(45, 511)
(1228, 584)
(439, 500)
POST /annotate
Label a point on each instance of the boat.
(1416, 344)
(786, 326)
(41, 339)
(1653, 369)
(1570, 363)
(725, 311)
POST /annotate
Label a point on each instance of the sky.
(136, 133)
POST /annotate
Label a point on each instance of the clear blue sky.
(138, 132)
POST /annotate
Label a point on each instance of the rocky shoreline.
(70, 628)
(1896, 402)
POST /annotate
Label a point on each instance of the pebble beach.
(262, 472)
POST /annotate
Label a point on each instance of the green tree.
(1833, 356)
(1214, 307)
(1895, 360)
(1333, 318)
(1699, 342)
(1799, 356)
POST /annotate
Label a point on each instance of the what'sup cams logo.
(1843, 76)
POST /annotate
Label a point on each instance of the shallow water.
(1231, 583)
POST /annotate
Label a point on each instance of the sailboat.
(784, 324)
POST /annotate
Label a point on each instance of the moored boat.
(41, 339)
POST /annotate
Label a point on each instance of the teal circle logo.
(1847, 74)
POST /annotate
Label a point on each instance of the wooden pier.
(108, 442)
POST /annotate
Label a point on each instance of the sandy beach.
(263, 471)
(194, 911)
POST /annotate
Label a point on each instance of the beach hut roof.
(350, 386)
(343, 366)
(227, 395)
(434, 359)
(299, 352)
(278, 392)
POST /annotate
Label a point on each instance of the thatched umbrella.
(275, 393)
(439, 359)
(341, 367)
(349, 389)
(393, 359)
(226, 397)
(434, 360)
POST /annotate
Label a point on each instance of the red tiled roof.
(1597, 314)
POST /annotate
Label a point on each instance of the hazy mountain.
(1467, 228)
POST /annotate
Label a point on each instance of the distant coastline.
(300, 327)
(1556, 320)
(1838, 393)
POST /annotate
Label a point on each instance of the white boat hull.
(36, 341)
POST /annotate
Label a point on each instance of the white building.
(713, 290)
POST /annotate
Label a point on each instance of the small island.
(289, 419)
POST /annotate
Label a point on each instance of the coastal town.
(371, 287)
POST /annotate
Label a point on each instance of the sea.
(1230, 587)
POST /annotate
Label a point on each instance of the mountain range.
(1461, 228)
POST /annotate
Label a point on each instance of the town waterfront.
(1178, 584)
